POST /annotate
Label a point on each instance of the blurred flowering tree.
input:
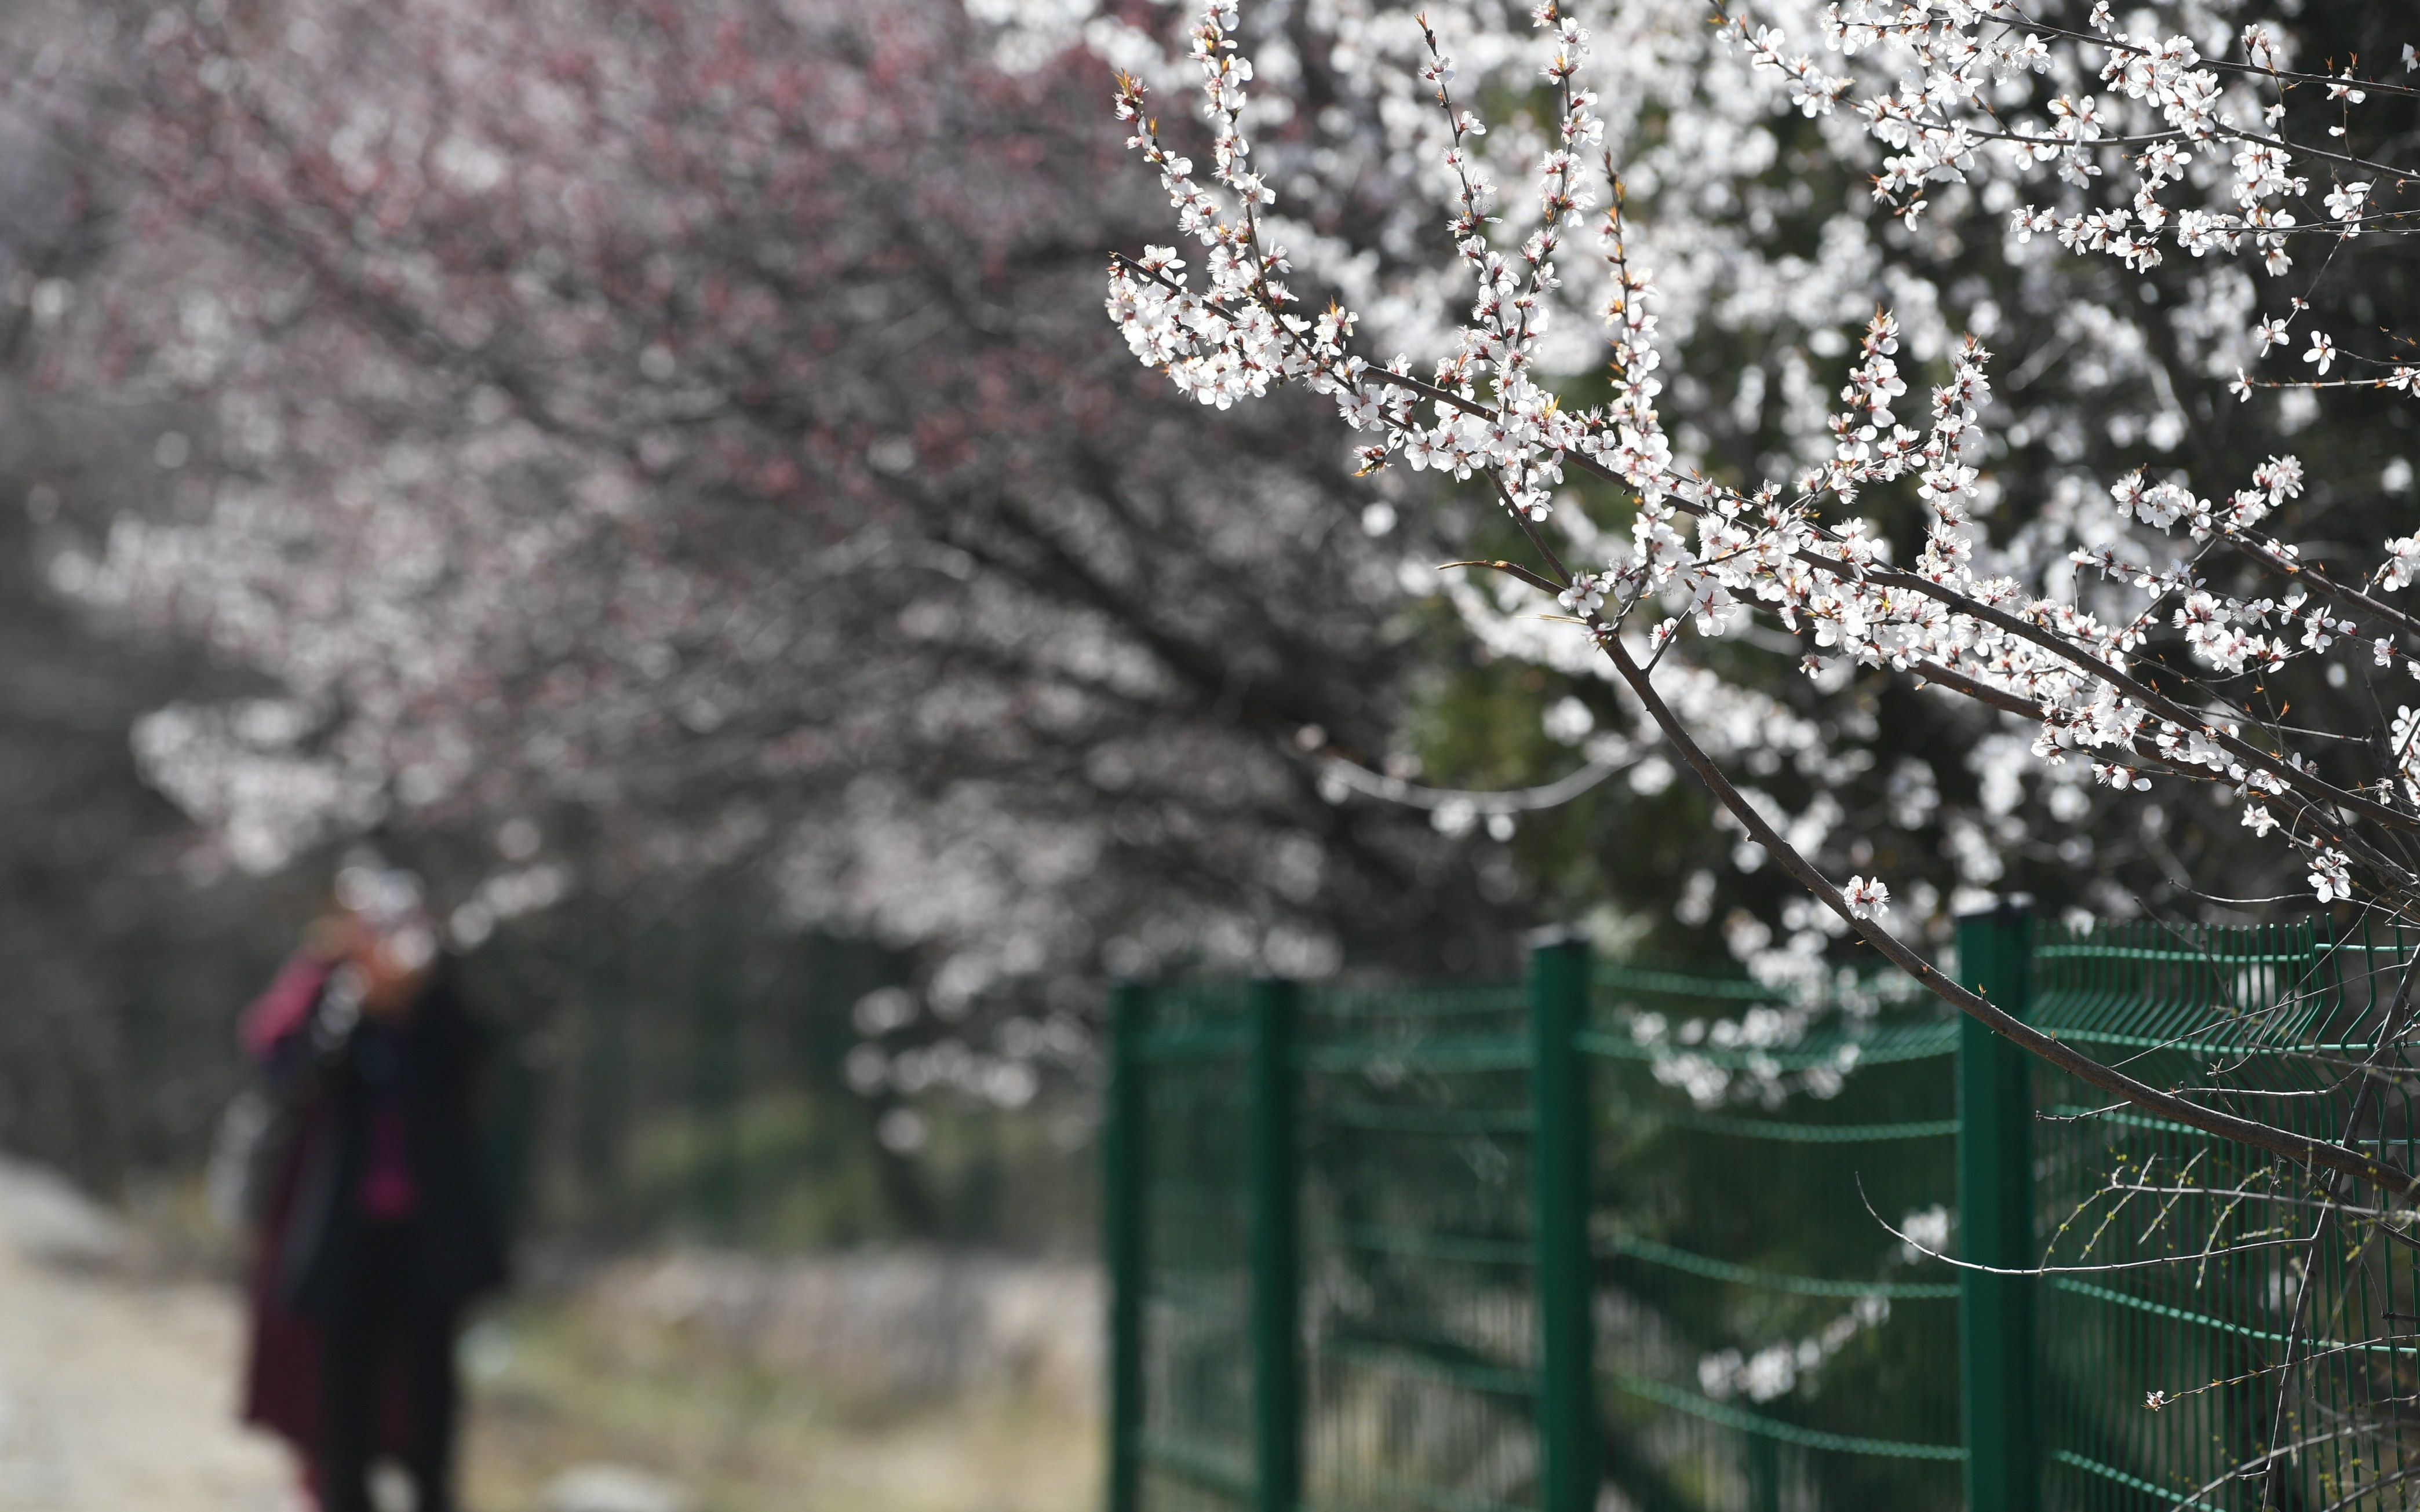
(672, 430)
(121, 974)
(638, 441)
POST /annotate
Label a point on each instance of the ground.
(114, 1392)
(117, 1379)
(568, 1380)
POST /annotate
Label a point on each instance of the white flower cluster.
(1777, 1370)
(2184, 148)
(1701, 552)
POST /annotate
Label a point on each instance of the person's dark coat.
(313, 1227)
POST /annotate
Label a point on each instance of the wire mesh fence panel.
(2277, 1335)
(1420, 1330)
(1763, 1342)
(1196, 1445)
(2216, 1329)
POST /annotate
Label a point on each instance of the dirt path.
(114, 1394)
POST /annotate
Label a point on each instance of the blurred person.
(374, 1229)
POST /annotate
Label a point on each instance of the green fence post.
(1276, 1317)
(715, 1075)
(1763, 1474)
(604, 1107)
(1996, 1313)
(1121, 1250)
(1561, 1197)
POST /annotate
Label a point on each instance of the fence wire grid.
(1345, 1222)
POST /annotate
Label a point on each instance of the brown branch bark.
(2301, 1148)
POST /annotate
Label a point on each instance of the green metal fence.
(1609, 1239)
(2257, 1270)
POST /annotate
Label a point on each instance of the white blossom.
(1700, 555)
(1867, 899)
(2331, 875)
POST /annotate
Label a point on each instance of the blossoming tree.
(638, 446)
(2158, 654)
